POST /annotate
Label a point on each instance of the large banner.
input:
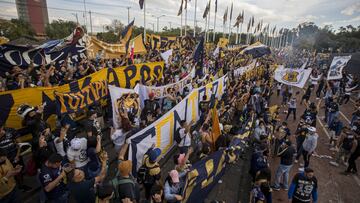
(242, 70)
(337, 65)
(164, 91)
(161, 132)
(256, 50)
(100, 49)
(121, 98)
(126, 77)
(293, 77)
(71, 48)
(72, 102)
(165, 43)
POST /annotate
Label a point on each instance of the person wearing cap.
(286, 154)
(303, 187)
(9, 191)
(346, 145)
(309, 145)
(173, 187)
(76, 153)
(32, 118)
(83, 189)
(126, 186)
(150, 161)
(52, 179)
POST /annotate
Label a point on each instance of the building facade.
(35, 12)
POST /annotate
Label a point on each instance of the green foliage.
(15, 29)
(325, 39)
(59, 29)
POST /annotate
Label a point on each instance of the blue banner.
(54, 51)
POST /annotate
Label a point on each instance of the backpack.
(143, 176)
(116, 182)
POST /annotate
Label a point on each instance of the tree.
(15, 29)
(59, 29)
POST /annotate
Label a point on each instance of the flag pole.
(237, 34)
(186, 17)
(240, 33)
(144, 19)
(214, 32)
(195, 18)
(181, 26)
(229, 29)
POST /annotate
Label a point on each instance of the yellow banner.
(105, 50)
(74, 101)
(165, 43)
(125, 77)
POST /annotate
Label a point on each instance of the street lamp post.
(153, 25)
(157, 21)
(128, 8)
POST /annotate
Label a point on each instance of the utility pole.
(76, 16)
(195, 18)
(144, 19)
(170, 25)
(128, 8)
(90, 23)
(85, 15)
(157, 21)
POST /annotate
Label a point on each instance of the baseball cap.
(75, 144)
(154, 154)
(125, 167)
(174, 176)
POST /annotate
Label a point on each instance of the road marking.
(326, 132)
(345, 117)
(357, 180)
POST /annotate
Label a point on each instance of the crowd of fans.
(71, 163)
(272, 137)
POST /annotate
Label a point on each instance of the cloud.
(350, 10)
(9, 12)
(307, 18)
(99, 21)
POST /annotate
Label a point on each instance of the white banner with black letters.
(337, 65)
(161, 132)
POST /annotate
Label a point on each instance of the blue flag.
(199, 50)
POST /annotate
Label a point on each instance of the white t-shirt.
(185, 138)
(118, 137)
(79, 156)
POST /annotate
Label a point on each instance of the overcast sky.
(283, 13)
